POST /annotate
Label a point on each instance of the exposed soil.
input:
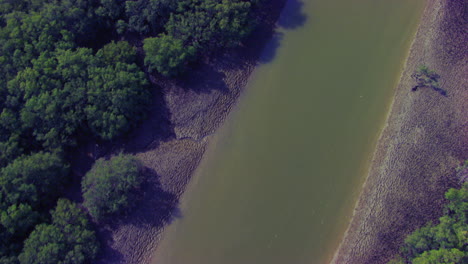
(425, 138)
(171, 142)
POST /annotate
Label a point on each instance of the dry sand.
(425, 138)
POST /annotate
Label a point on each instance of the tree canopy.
(27, 185)
(72, 70)
(68, 239)
(445, 242)
(167, 55)
(108, 188)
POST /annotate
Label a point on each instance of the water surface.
(280, 179)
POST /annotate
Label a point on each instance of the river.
(281, 177)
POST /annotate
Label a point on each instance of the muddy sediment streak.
(425, 138)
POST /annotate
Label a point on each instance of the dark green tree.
(61, 76)
(114, 52)
(427, 78)
(16, 222)
(33, 179)
(116, 99)
(446, 256)
(68, 239)
(210, 24)
(148, 16)
(109, 187)
(447, 241)
(167, 55)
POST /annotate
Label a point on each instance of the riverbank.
(172, 141)
(424, 139)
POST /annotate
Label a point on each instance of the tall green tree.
(33, 179)
(68, 239)
(167, 55)
(109, 187)
(114, 52)
(148, 16)
(116, 99)
(445, 242)
(16, 222)
(210, 24)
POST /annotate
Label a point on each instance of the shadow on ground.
(204, 78)
(154, 209)
(292, 17)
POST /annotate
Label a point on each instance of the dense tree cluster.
(27, 186)
(109, 187)
(68, 239)
(196, 27)
(445, 242)
(70, 68)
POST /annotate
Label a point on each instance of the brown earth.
(171, 142)
(425, 138)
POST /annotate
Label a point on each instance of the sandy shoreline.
(173, 140)
(424, 139)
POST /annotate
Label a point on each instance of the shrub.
(108, 188)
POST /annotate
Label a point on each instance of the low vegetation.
(443, 242)
(69, 69)
(425, 77)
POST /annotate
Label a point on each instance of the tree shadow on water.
(269, 51)
(292, 16)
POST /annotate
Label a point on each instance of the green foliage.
(68, 239)
(194, 27)
(109, 10)
(31, 179)
(8, 6)
(68, 89)
(446, 242)
(63, 74)
(114, 52)
(109, 186)
(26, 185)
(210, 24)
(446, 256)
(167, 55)
(15, 224)
(427, 77)
(397, 260)
(148, 16)
(51, 95)
(18, 219)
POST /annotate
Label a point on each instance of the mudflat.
(171, 142)
(425, 138)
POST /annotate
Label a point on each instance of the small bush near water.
(109, 187)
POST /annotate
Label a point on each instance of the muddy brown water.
(281, 177)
